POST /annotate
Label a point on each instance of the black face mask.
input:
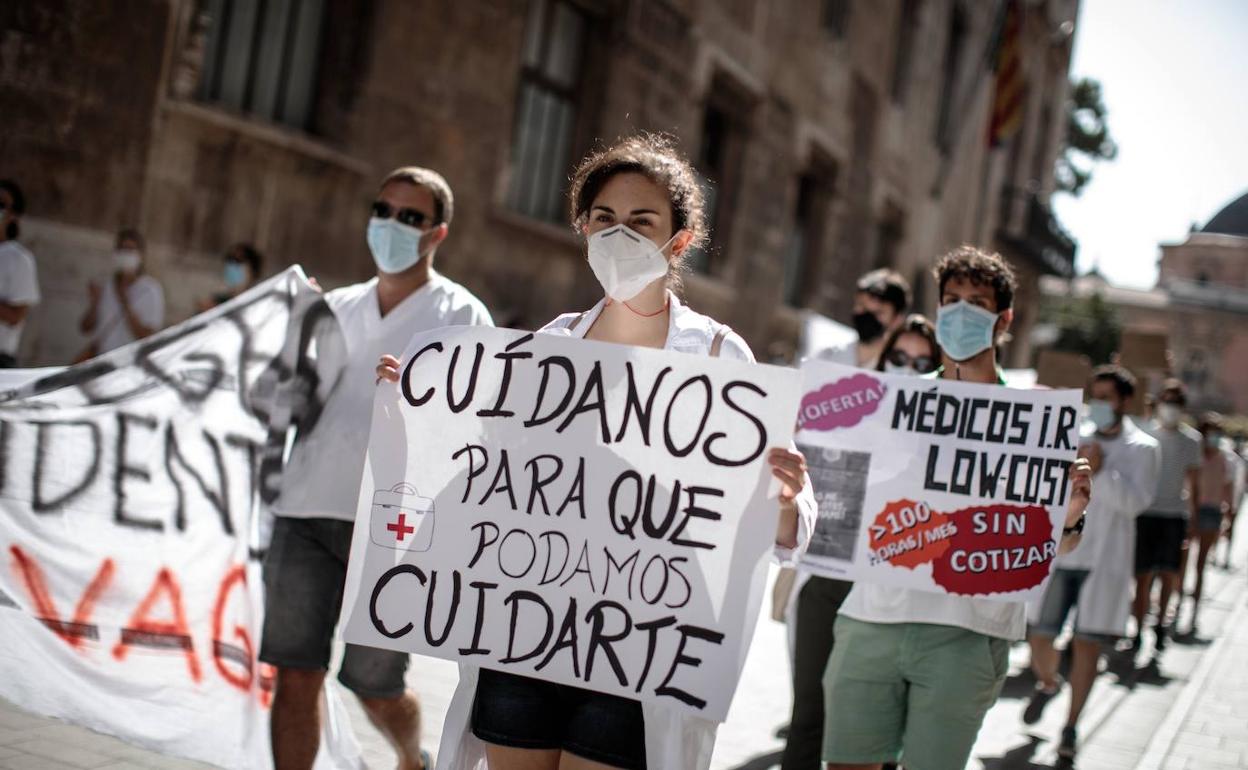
(868, 326)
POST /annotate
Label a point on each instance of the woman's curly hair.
(655, 157)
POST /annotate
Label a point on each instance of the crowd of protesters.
(122, 305)
(881, 675)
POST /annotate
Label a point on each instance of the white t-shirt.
(147, 301)
(846, 355)
(1123, 489)
(322, 478)
(19, 285)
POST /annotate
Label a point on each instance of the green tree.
(1087, 325)
(1087, 137)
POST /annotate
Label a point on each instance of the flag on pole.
(1010, 87)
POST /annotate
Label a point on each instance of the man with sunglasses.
(305, 567)
(19, 284)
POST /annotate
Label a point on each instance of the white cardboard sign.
(945, 486)
(586, 513)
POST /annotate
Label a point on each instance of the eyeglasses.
(921, 364)
(409, 217)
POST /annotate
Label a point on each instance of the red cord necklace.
(666, 303)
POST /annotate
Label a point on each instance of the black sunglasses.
(921, 364)
(409, 217)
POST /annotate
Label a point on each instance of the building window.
(835, 17)
(546, 108)
(888, 237)
(907, 29)
(805, 242)
(718, 165)
(261, 57)
(952, 64)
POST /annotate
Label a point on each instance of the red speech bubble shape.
(907, 534)
(841, 404)
(997, 549)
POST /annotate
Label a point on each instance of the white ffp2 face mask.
(127, 260)
(625, 262)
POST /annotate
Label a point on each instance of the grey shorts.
(304, 574)
(1061, 597)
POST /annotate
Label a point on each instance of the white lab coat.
(673, 740)
(1121, 491)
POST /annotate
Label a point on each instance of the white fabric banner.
(934, 484)
(591, 514)
(131, 487)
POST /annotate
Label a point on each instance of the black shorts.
(524, 713)
(304, 573)
(1159, 542)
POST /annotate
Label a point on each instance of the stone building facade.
(833, 135)
(1199, 306)
(1206, 279)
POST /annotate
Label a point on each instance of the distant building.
(1200, 303)
(834, 136)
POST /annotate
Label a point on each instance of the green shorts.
(914, 692)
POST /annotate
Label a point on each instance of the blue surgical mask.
(964, 330)
(1102, 415)
(395, 246)
(235, 274)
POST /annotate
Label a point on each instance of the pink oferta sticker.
(841, 404)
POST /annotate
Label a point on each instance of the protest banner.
(132, 487)
(592, 514)
(939, 485)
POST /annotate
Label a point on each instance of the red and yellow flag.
(1007, 98)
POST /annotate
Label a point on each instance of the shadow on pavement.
(1018, 758)
(1018, 686)
(1122, 668)
(1192, 640)
(761, 762)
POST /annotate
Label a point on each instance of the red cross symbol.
(400, 528)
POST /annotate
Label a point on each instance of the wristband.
(1077, 527)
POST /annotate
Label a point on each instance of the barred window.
(724, 133)
(805, 243)
(261, 57)
(547, 108)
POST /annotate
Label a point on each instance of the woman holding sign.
(640, 208)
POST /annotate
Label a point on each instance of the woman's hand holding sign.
(789, 466)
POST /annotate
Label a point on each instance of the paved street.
(1183, 710)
